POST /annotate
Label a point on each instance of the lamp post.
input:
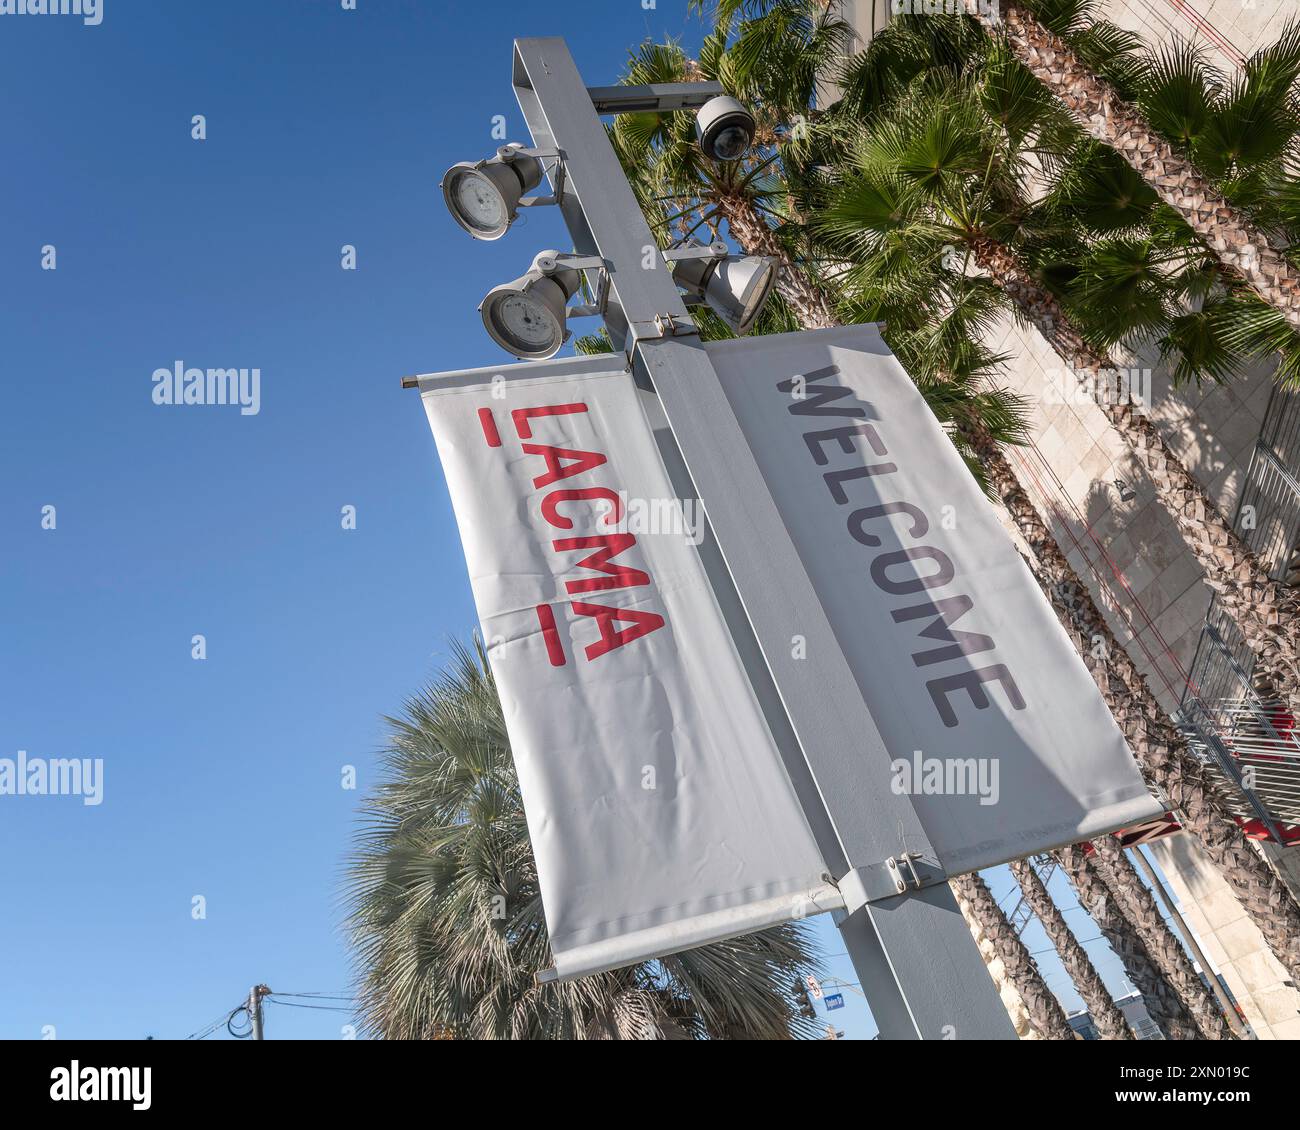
(914, 956)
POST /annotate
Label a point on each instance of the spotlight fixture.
(1126, 492)
(735, 287)
(527, 316)
(482, 196)
(725, 128)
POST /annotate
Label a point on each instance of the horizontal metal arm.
(704, 251)
(660, 96)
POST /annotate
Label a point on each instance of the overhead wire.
(313, 1007)
(207, 1030)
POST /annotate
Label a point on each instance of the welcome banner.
(992, 723)
(659, 809)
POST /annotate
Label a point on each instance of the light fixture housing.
(725, 128)
(735, 287)
(483, 196)
(527, 315)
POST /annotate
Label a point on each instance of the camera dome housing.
(725, 128)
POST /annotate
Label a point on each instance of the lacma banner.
(992, 722)
(658, 805)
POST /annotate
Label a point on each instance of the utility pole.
(255, 995)
(915, 959)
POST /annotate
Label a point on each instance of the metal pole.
(913, 953)
(255, 1009)
(1225, 1002)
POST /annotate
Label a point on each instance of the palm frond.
(445, 916)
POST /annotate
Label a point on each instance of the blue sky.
(325, 127)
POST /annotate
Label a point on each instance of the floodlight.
(527, 316)
(725, 127)
(736, 287)
(482, 196)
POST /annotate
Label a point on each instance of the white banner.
(659, 810)
(993, 725)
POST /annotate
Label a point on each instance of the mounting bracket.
(908, 870)
(510, 152)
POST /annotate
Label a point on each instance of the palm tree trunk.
(1267, 612)
(1161, 751)
(1162, 1003)
(1045, 1011)
(1103, 1010)
(1238, 242)
(1159, 939)
(1007, 992)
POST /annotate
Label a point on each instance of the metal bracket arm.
(716, 250)
(664, 325)
(583, 263)
(507, 152)
(656, 97)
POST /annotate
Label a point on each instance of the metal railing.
(1248, 738)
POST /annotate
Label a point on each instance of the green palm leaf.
(446, 919)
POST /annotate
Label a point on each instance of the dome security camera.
(725, 128)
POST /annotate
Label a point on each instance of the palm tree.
(936, 179)
(1045, 1012)
(1159, 747)
(1105, 1013)
(777, 61)
(446, 920)
(1096, 104)
(930, 178)
(1160, 940)
(654, 158)
(939, 133)
(1163, 1004)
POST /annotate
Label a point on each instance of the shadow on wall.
(1212, 427)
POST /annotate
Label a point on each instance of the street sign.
(814, 987)
(834, 1001)
(658, 806)
(990, 721)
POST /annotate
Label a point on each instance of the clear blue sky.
(222, 777)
